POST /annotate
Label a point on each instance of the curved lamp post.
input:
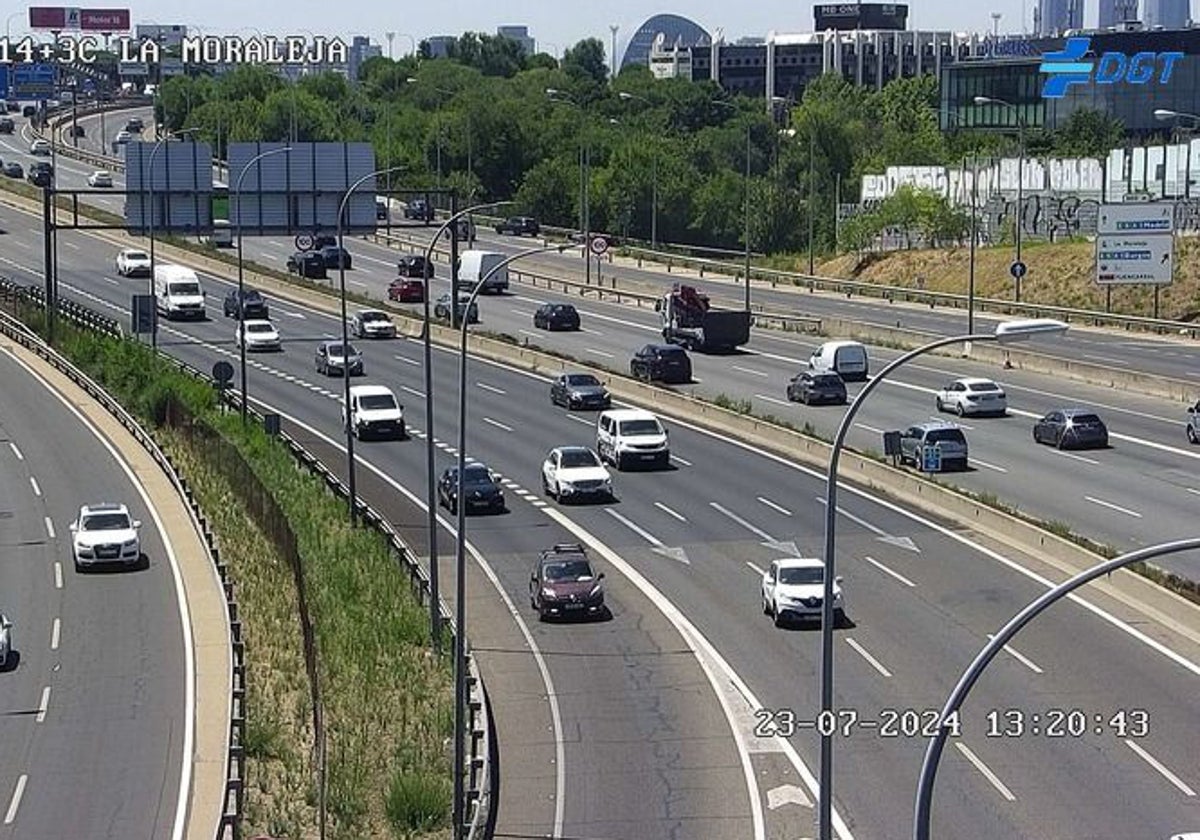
(460, 557)
(990, 100)
(431, 502)
(150, 166)
(345, 332)
(1006, 331)
(237, 204)
(933, 753)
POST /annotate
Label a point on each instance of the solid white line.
(50, 527)
(986, 465)
(1075, 457)
(775, 400)
(987, 773)
(774, 506)
(37, 491)
(58, 578)
(888, 571)
(413, 391)
(407, 361)
(70, 245)
(497, 424)
(55, 632)
(759, 571)
(669, 512)
(41, 715)
(870, 429)
(686, 463)
(1160, 767)
(590, 331)
(871, 660)
(16, 451)
(1015, 654)
(637, 529)
(491, 388)
(1111, 506)
(751, 528)
(16, 799)
(750, 371)
(597, 352)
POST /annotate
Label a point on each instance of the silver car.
(972, 395)
(944, 438)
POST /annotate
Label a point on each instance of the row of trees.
(481, 121)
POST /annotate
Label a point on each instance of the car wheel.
(1061, 440)
(1191, 434)
(775, 614)
(766, 607)
(958, 409)
(839, 618)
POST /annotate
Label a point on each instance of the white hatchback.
(258, 335)
(972, 396)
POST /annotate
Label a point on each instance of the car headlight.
(129, 544)
(83, 550)
(547, 592)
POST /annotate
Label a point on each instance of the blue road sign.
(931, 458)
(1018, 269)
(33, 81)
(4, 79)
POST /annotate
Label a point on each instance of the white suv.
(133, 262)
(374, 410)
(105, 533)
(632, 436)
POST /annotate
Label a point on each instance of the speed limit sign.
(305, 242)
(598, 245)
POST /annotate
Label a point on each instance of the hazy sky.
(555, 25)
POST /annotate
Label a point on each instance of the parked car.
(815, 388)
(481, 489)
(563, 583)
(371, 323)
(307, 264)
(570, 473)
(100, 178)
(257, 335)
(249, 303)
(419, 209)
(133, 262)
(579, 390)
(1193, 424)
(947, 437)
(794, 588)
(39, 147)
(661, 362)
(12, 169)
(441, 309)
(415, 265)
(1071, 428)
(336, 257)
(406, 291)
(519, 226)
(556, 316)
(333, 358)
(7, 126)
(104, 534)
(972, 395)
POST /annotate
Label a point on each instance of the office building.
(520, 34)
(1054, 17)
(1114, 13)
(676, 32)
(439, 46)
(1169, 14)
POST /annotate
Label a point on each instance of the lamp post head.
(553, 91)
(1165, 114)
(410, 80)
(987, 100)
(1025, 328)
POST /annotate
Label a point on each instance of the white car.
(123, 136)
(372, 323)
(972, 396)
(39, 147)
(5, 641)
(258, 335)
(575, 472)
(374, 411)
(793, 589)
(133, 262)
(105, 533)
(100, 178)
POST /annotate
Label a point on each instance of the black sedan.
(661, 362)
(1071, 428)
(556, 316)
(14, 170)
(813, 388)
(307, 264)
(579, 390)
(519, 226)
(481, 489)
(415, 265)
(336, 257)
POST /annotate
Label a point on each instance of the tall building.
(520, 34)
(440, 45)
(1054, 17)
(360, 50)
(1169, 14)
(1116, 12)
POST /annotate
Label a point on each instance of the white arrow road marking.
(658, 546)
(674, 553)
(900, 542)
(985, 770)
(787, 795)
(1160, 767)
(787, 547)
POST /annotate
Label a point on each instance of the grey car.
(332, 359)
(579, 390)
(811, 388)
(1071, 428)
(946, 437)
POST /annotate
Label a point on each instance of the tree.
(584, 62)
(491, 55)
(1087, 133)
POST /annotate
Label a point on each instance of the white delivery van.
(177, 292)
(848, 359)
(374, 411)
(473, 266)
(222, 235)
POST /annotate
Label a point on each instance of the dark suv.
(250, 305)
(415, 265)
(519, 226)
(40, 173)
(307, 264)
(419, 209)
(556, 316)
(563, 583)
(661, 362)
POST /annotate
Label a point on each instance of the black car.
(324, 240)
(381, 210)
(519, 226)
(563, 583)
(134, 125)
(333, 255)
(77, 131)
(579, 390)
(661, 362)
(481, 489)
(419, 209)
(6, 125)
(556, 316)
(38, 176)
(1071, 428)
(307, 264)
(250, 305)
(813, 388)
(14, 170)
(415, 265)
(29, 111)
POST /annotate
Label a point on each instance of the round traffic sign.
(222, 371)
(305, 242)
(1018, 269)
(598, 245)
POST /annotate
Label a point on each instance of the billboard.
(847, 16)
(88, 20)
(180, 176)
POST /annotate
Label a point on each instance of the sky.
(554, 24)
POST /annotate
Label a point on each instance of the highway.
(93, 713)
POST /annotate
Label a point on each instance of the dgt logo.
(1065, 68)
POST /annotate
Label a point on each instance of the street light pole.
(812, 148)
(746, 217)
(150, 166)
(237, 205)
(1005, 332)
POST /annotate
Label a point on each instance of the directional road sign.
(1136, 218)
(1134, 259)
(1018, 269)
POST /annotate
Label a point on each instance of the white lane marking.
(1075, 457)
(669, 512)
(1193, 491)
(110, 281)
(750, 371)
(757, 570)
(1020, 657)
(719, 508)
(530, 332)
(1111, 506)
(888, 571)
(357, 283)
(497, 424)
(597, 352)
(1160, 767)
(774, 506)
(491, 388)
(637, 529)
(871, 660)
(69, 244)
(518, 311)
(375, 260)
(1109, 359)
(677, 459)
(905, 542)
(16, 451)
(58, 578)
(986, 465)
(42, 706)
(37, 491)
(867, 428)
(587, 423)
(775, 400)
(985, 770)
(50, 527)
(406, 361)
(55, 632)
(590, 331)
(418, 394)
(15, 803)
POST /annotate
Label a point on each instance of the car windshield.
(136, 255)
(259, 328)
(827, 379)
(983, 386)
(640, 427)
(185, 288)
(1083, 420)
(252, 297)
(476, 474)
(579, 458)
(372, 317)
(673, 354)
(801, 574)
(583, 380)
(569, 570)
(946, 436)
(336, 350)
(105, 522)
(375, 402)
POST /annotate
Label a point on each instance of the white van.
(374, 410)
(474, 266)
(848, 359)
(626, 436)
(177, 292)
(222, 234)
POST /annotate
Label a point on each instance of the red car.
(407, 291)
